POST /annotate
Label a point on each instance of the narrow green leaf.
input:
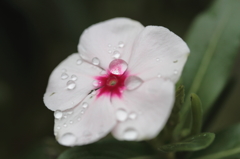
(109, 150)
(193, 143)
(196, 114)
(225, 146)
(214, 42)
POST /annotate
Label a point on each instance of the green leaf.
(109, 150)
(196, 114)
(193, 143)
(225, 146)
(214, 42)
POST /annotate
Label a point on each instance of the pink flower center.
(112, 84)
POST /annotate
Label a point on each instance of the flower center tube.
(112, 83)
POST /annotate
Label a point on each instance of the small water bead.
(65, 125)
(68, 139)
(132, 116)
(109, 45)
(64, 70)
(65, 117)
(175, 72)
(120, 44)
(82, 112)
(116, 54)
(74, 77)
(58, 127)
(96, 83)
(157, 59)
(79, 119)
(85, 105)
(130, 134)
(133, 82)
(79, 62)
(71, 84)
(64, 76)
(121, 115)
(58, 114)
(103, 72)
(159, 75)
(118, 67)
(95, 61)
(70, 112)
(71, 122)
(109, 51)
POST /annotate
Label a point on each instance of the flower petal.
(143, 111)
(105, 41)
(88, 122)
(158, 52)
(70, 83)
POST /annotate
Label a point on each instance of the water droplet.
(96, 83)
(65, 125)
(130, 134)
(159, 75)
(121, 115)
(58, 114)
(118, 67)
(65, 116)
(70, 112)
(157, 59)
(82, 112)
(71, 84)
(71, 122)
(93, 92)
(95, 61)
(116, 54)
(68, 139)
(109, 51)
(74, 77)
(120, 44)
(175, 61)
(55, 133)
(175, 72)
(133, 82)
(79, 119)
(79, 62)
(64, 76)
(85, 105)
(58, 127)
(132, 116)
(64, 70)
(109, 45)
(103, 72)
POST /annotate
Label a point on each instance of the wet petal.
(70, 83)
(147, 109)
(103, 42)
(158, 52)
(88, 122)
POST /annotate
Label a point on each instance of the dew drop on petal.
(130, 134)
(159, 75)
(71, 85)
(175, 72)
(74, 77)
(133, 82)
(116, 54)
(64, 76)
(79, 62)
(85, 105)
(118, 67)
(132, 116)
(109, 51)
(65, 125)
(71, 122)
(103, 72)
(109, 45)
(79, 119)
(120, 44)
(58, 114)
(68, 139)
(95, 61)
(96, 83)
(58, 127)
(121, 115)
(157, 59)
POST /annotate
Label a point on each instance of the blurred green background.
(35, 35)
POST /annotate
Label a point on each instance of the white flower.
(121, 81)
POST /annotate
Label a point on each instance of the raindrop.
(116, 54)
(58, 127)
(132, 116)
(68, 139)
(133, 82)
(109, 45)
(118, 67)
(121, 115)
(82, 112)
(58, 114)
(74, 77)
(70, 112)
(65, 125)
(64, 70)
(71, 84)
(109, 51)
(103, 72)
(120, 44)
(96, 83)
(157, 59)
(85, 105)
(65, 116)
(130, 134)
(71, 122)
(64, 76)
(79, 62)
(95, 61)
(159, 75)
(79, 119)
(175, 72)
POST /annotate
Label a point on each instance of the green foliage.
(225, 146)
(109, 150)
(193, 143)
(214, 41)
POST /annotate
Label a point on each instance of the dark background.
(35, 35)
